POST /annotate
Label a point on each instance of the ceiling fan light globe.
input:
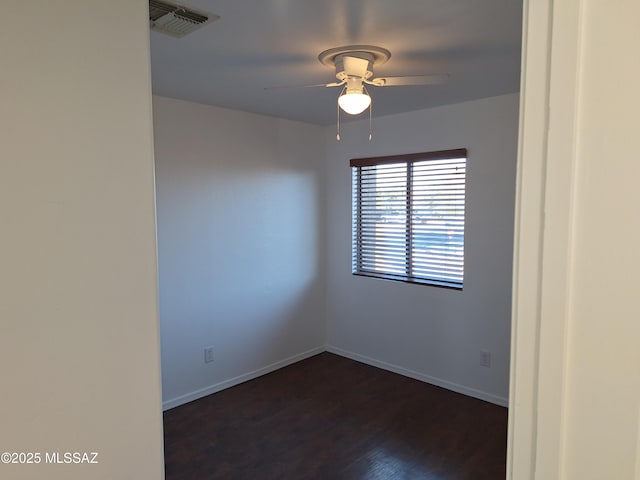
(354, 103)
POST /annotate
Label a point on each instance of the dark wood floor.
(329, 417)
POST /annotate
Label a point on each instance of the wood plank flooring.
(328, 417)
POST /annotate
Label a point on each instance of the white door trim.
(543, 237)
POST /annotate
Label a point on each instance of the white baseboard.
(471, 392)
(203, 392)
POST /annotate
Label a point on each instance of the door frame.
(543, 237)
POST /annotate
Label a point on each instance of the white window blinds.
(408, 217)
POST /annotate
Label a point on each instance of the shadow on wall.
(239, 271)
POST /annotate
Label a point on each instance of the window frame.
(357, 208)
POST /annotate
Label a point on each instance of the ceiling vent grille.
(176, 20)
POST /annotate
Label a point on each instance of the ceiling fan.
(354, 69)
(353, 66)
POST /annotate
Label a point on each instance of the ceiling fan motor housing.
(344, 70)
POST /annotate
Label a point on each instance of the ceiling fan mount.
(354, 61)
(377, 55)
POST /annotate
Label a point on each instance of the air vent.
(176, 20)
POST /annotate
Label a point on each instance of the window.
(408, 217)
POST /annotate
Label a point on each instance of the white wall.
(432, 333)
(242, 213)
(78, 313)
(239, 237)
(577, 392)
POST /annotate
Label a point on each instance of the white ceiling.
(265, 43)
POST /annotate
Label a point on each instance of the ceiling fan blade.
(333, 84)
(437, 79)
(355, 67)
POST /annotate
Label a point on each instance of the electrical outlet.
(485, 358)
(208, 354)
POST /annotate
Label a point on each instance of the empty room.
(256, 235)
(319, 239)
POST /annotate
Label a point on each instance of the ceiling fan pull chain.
(338, 133)
(338, 113)
(370, 113)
